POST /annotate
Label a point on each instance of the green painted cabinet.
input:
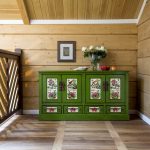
(83, 95)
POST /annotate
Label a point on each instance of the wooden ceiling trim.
(11, 22)
(137, 12)
(102, 21)
(141, 11)
(23, 11)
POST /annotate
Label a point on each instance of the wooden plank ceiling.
(9, 10)
(83, 9)
(70, 9)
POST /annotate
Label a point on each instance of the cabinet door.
(95, 90)
(115, 90)
(51, 91)
(71, 88)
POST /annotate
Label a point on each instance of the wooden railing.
(10, 83)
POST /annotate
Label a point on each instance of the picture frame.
(66, 51)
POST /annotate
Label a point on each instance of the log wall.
(39, 44)
(144, 61)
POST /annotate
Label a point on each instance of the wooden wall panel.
(144, 62)
(30, 103)
(132, 71)
(144, 83)
(124, 29)
(48, 57)
(143, 48)
(144, 103)
(144, 65)
(50, 41)
(40, 41)
(30, 73)
(144, 31)
(133, 103)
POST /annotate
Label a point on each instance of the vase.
(92, 58)
(94, 66)
(95, 61)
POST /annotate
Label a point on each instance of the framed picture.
(66, 51)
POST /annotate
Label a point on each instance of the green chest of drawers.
(83, 95)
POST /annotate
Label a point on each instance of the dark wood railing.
(10, 83)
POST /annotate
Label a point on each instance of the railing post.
(20, 105)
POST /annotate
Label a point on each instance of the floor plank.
(28, 133)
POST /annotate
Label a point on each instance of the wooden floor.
(27, 133)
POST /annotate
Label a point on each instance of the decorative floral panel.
(115, 89)
(115, 109)
(51, 109)
(52, 88)
(71, 88)
(95, 88)
(94, 109)
(73, 109)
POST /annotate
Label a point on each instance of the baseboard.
(144, 117)
(8, 121)
(36, 112)
(31, 112)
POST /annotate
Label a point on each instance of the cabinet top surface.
(87, 72)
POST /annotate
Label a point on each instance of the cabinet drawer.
(116, 109)
(52, 109)
(72, 109)
(94, 109)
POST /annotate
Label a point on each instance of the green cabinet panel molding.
(83, 95)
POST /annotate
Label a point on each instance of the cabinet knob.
(61, 86)
(105, 85)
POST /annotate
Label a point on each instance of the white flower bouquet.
(94, 53)
(99, 51)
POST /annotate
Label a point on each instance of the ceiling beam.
(23, 11)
